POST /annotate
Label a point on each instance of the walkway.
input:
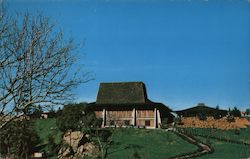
(202, 148)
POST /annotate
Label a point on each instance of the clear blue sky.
(184, 51)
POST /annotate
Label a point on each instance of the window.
(126, 122)
(147, 122)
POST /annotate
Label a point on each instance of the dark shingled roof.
(194, 111)
(121, 93)
(126, 96)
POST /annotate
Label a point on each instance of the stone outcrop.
(77, 144)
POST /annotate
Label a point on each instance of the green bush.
(202, 116)
(76, 117)
(164, 123)
(230, 118)
(18, 139)
(235, 112)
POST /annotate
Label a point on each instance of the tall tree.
(36, 65)
(248, 111)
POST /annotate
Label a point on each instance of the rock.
(88, 149)
(73, 138)
(77, 144)
(65, 153)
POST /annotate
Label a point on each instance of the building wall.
(98, 114)
(126, 117)
(144, 122)
(145, 114)
(119, 114)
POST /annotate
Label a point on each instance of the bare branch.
(36, 65)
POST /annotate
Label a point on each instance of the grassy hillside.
(226, 150)
(46, 128)
(154, 144)
(149, 144)
(242, 135)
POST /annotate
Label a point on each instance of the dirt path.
(202, 148)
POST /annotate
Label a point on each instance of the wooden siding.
(119, 114)
(120, 117)
(145, 114)
(98, 114)
(141, 122)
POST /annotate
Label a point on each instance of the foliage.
(80, 117)
(235, 112)
(52, 146)
(217, 107)
(136, 155)
(76, 117)
(217, 116)
(18, 139)
(102, 137)
(164, 123)
(202, 116)
(230, 118)
(35, 112)
(248, 111)
(45, 128)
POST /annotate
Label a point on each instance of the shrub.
(202, 116)
(136, 155)
(235, 112)
(164, 123)
(75, 117)
(230, 119)
(18, 139)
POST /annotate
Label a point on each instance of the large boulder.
(77, 144)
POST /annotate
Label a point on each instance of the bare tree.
(36, 65)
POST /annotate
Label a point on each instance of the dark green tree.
(52, 146)
(235, 112)
(164, 123)
(76, 117)
(18, 139)
(248, 111)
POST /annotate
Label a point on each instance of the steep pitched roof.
(121, 93)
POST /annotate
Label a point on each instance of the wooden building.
(201, 109)
(127, 104)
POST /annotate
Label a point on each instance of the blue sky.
(184, 51)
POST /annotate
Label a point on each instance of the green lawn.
(244, 134)
(149, 144)
(156, 144)
(226, 150)
(45, 128)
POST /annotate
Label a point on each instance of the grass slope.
(244, 134)
(223, 149)
(45, 128)
(155, 144)
(149, 144)
(226, 150)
